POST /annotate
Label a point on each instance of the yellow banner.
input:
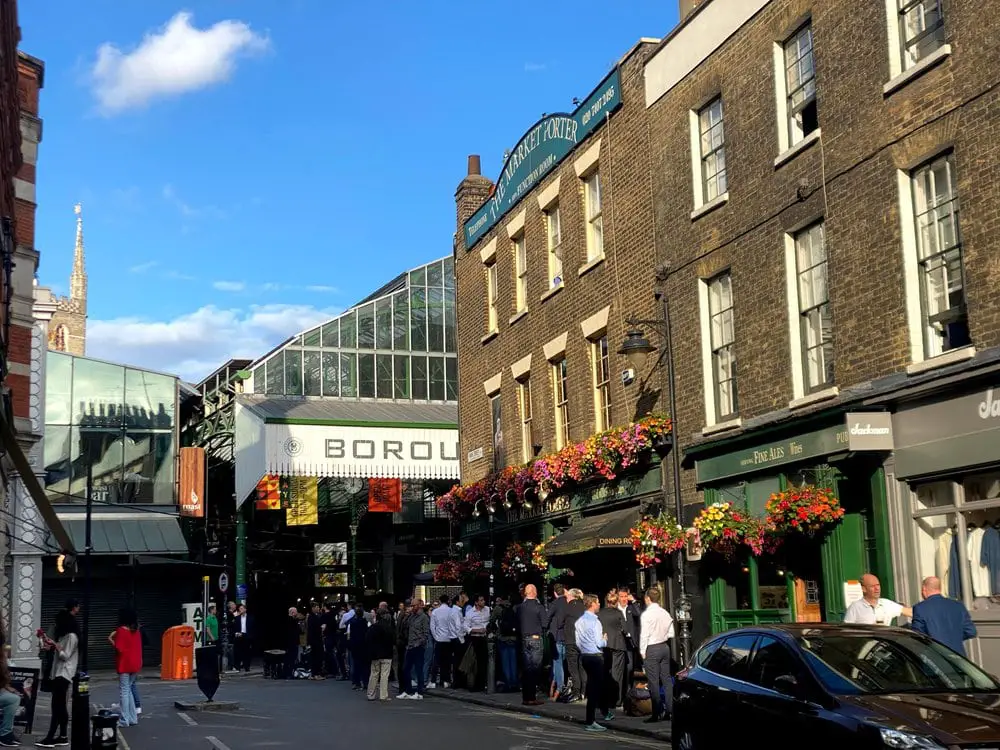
(304, 507)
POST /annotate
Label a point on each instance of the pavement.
(275, 714)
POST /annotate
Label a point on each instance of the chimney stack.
(687, 7)
(472, 193)
(474, 164)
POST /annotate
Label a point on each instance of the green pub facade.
(806, 579)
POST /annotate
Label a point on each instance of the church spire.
(78, 279)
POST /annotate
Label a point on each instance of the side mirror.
(786, 684)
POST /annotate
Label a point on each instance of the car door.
(781, 701)
(725, 678)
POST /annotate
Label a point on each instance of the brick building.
(808, 162)
(550, 263)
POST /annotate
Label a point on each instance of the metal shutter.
(106, 597)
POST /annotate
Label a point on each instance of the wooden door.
(807, 601)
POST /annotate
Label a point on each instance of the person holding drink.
(872, 609)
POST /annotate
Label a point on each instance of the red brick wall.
(10, 134)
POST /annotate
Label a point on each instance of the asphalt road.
(300, 713)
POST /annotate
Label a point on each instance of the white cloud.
(175, 59)
(229, 286)
(323, 288)
(194, 344)
(189, 211)
(533, 67)
(144, 267)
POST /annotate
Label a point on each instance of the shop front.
(805, 578)
(585, 532)
(947, 503)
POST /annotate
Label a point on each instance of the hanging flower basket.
(805, 510)
(538, 558)
(448, 572)
(517, 559)
(723, 527)
(653, 539)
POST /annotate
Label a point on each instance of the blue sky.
(249, 168)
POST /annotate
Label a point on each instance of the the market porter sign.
(540, 149)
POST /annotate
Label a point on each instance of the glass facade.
(399, 344)
(117, 420)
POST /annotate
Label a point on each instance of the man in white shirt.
(872, 609)
(445, 630)
(656, 627)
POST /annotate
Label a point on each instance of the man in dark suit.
(613, 622)
(947, 621)
(242, 634)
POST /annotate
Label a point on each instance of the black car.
(819, 686)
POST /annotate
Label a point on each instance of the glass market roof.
(397, 344)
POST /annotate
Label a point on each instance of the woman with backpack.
(128, 662)
(65, 653)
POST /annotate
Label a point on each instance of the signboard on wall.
(539, 151)
(192, 482)
(194, 615)
(869, 431)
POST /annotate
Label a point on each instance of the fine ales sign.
(343, 451)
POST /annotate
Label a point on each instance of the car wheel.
(684, 740)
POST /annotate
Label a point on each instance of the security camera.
(628, 376)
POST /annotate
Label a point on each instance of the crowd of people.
(573, 647)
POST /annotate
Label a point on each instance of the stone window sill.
(917, 70)
(590, 265)
(517, 316)
(814, 398)
(553, 291)
(731, 424)
(719, 200)
(942, 360)
(489, 337)
(790, 153)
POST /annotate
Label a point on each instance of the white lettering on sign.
(990, 407)
(859, 429)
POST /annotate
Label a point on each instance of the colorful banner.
(385, 495)
(304, 507)
(268, 493)
(192, 482)
(330, 554)
(331, 580)
(285, 492)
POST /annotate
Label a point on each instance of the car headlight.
(900, 739)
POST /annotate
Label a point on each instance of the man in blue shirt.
(591, 640)
(947, 621)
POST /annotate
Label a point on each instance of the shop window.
(937, 495)
(736, 592)
(982, 487)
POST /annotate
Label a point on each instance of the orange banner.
(269, 493)
(385, 495)
(192, 482)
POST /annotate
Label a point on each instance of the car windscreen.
(863, 662)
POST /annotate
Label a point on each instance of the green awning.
(604, 531)
(128, 533)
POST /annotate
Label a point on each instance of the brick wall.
(867, 136)
(10, 142)
(624, 280)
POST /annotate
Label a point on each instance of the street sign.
(223, 583)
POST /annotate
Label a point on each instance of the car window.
(772, 660)
(861, 662)
(705, 652)
(731, 660)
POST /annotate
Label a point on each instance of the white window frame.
(525, 414)
(520, 252)
(560, 401)
(790, 131)
(904, 39)
(798, 322)
(709, 353)
(923, 333)
(698, 118)
(595, 219)
(492, 289)
(600, 361)
(553, 241)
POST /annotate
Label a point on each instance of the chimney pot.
(474, 164)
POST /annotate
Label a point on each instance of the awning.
(135, 533)
(604, 531)
(335, 438)
(32, 485)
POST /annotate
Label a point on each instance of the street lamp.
(637, 349)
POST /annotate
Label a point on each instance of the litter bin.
(178, 653)
(104, 731)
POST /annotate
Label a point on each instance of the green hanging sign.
(544, 146)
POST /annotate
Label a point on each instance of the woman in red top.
(128, 661)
